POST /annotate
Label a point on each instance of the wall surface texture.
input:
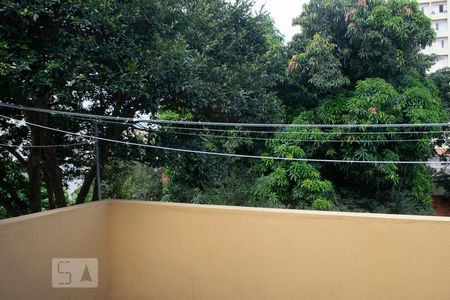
(29, 243)
(170, 251)
(175, 251)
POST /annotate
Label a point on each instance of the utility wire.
(280, 132)
(228, 154)
(310, 140)
(223, 124)
(164, 131)
(286, 139)
(201, 134)
(297, 132)
(42, 146)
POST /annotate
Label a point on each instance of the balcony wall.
(174, 251)
(28, 244)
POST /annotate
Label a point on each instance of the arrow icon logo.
(86, 275)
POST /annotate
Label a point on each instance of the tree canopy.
(357, 39)
(353, 62)
(361, 61)
(213, 60)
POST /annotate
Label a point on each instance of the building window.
(422, 8)
(442, 43)
(436, 25)
(441, 8)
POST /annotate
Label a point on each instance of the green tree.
(237, 60)
(442, 80)
(361, 61)
(132, 180)
(13, 191)
(366, 38)
(84, 56)
(216, 60)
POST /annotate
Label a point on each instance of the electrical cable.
(296, 132)
(223, 124)
(290, 133)
(228, 154)
(280, 139)
(284, 132)
(43, 146)
(296, 140)
(280, 132)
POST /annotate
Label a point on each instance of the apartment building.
(436, 10)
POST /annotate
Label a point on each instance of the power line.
(226, 154)
(296, 140)
(297, 132)
(279, 132)
(283, 132)
(223, 124)
(42, 146)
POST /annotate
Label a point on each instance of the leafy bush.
(132, 180)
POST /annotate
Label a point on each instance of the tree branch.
(18, 156)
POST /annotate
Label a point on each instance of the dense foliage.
(353, 62)
(360, 39)
(361, 60)
(442, 80)
(213, 59)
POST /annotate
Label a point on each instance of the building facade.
(437, 11)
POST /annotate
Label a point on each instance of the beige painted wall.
(174, 251)
(28, 244)
(167, 251)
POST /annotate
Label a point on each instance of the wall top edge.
(202, 207)
(282, 211)
(54, 211)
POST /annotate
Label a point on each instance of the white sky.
(283, 12)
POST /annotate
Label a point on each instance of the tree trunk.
(34, 174)
(50, 159)
(95, 192)
(53, 173)
(50, 192)
(48, 156)
(113, 133)
(86, 186)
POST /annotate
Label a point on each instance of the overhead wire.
(282, 132)
(298, 140)
(223, 124)
(279, 133)
(201, 134)
(226, 154)
(164, 131)
(43, 146)
(258, 138)
(297, 132)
